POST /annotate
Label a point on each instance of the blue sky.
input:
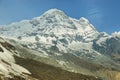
(103, 14)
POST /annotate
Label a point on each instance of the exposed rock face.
(110, 46)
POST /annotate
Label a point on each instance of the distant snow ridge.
(116, 34)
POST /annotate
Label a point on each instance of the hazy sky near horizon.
(103, 14)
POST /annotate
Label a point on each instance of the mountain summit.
(54, 11)
(53, 21)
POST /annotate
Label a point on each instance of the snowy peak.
(58, 22)
(53, 21)
(54, 11)
(82, 19)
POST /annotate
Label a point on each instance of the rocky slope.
(14, 67)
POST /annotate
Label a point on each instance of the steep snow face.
(57, 22)
(7, 61)
(52, 21)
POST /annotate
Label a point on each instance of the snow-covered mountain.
(53, 28)
(52, 21)
(61, 41)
